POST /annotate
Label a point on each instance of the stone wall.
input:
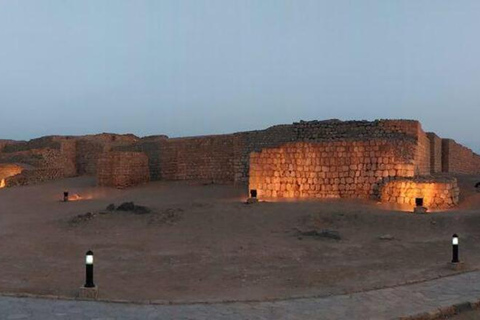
(7, 171)
(208, 158)
(218, 158)
(459, 159)
(122, 169)
(151, 146)
(245, 143)
(356, 130)
(437, 193)
(4, 143)
(195, 158)
(226, 158)
(53, 157)
(365, 130)
(91, 147)
(34, 176)
(435, 153)
(350, 169)
(422, 155)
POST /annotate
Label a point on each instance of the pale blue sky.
(200, 67)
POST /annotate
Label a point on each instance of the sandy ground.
(471, 315)
(201, 243)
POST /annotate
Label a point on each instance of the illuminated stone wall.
(53, 157)
(347, 169)
(122, 169)
(437, 193)
(7, 171)
(218, 158)
(34, 176)
(226, 158)
(393, 130)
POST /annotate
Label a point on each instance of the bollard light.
(455, 249)
(253, 193)
(89, 270)
(65, 196)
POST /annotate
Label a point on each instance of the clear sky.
(199, 67)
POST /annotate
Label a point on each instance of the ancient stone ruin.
(388, 160)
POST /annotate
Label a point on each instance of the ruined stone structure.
(436, 193)
(329, 169)
(122, 169)
(306, 159)
(458, 159)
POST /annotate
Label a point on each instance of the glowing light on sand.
(77, 197)
(2, 183)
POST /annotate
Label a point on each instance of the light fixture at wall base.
(253, 197)
(419, 208)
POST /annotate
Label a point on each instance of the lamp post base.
(88, 293)
(457, 266)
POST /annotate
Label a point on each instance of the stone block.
(457, 266)
(88, 293)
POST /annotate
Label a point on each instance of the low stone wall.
(122, 169)
(437, 193)
(56, 153)
(347, 169)
(7, 171)
(34, 176)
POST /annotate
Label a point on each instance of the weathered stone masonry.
(459, 159)
(437, 193)
(122, 169)
(356, 158)
(387, 160)
(345, 169)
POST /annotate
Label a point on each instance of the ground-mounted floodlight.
(455, 249)
(419, 208)
(89, 270)
(65, 196)
(419, 202)
(253, 196)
